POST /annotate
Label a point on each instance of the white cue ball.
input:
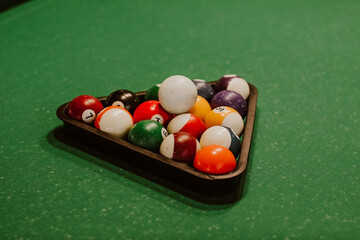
(177, 94)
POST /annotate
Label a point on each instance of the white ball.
(177, 94)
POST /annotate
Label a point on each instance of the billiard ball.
(201, 108)
(152, 110)
(221, 135)
(231, 99)
(114, 120)
(225, 116)
(177, 94)
(147, 134)
(84, 108)
(180, 146)
(123, 98)
(204, 89)
(188, 123)
(215, 159)
(152, 93)
(235, 83)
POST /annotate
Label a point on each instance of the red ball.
(84, 108)
(215, 159)
(180, 146)
(152, 110)
(187, 122)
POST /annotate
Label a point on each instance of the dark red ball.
(84, 108)
(180, 146)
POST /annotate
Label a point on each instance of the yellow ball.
(201, 108)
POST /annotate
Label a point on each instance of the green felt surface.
(303, 174)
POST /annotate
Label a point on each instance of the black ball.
(204, 89)
(123, 98)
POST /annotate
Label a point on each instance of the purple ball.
(230, 99)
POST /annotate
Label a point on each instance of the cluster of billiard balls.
(186, 120)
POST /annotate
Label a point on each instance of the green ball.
(148, 134)
(152, 93)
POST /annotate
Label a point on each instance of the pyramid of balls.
(186, 120)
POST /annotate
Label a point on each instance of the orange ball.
(225, 116)
(201, 108)
(215, 159)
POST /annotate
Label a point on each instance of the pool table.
(302, 179)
